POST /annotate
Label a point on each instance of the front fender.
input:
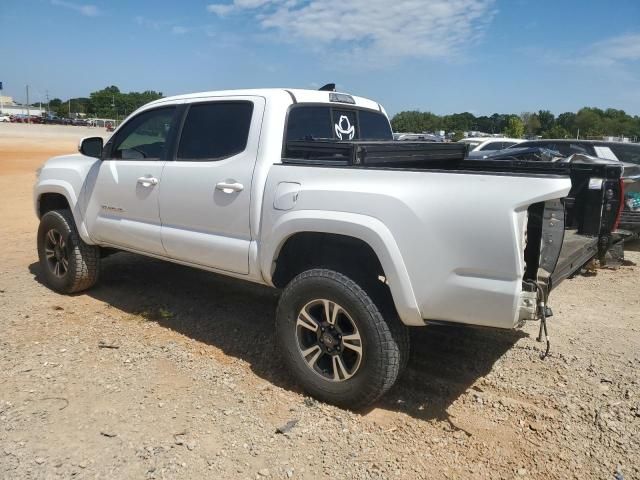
(366, 228)
(65, 189)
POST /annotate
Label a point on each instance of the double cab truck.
(306, 191)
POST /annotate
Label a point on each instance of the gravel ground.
(162, 371)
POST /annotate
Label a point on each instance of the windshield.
(336, 123)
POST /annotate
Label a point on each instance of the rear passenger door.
(205, 199)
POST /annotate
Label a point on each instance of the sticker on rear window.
(344, 128)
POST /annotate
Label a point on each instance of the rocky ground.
(162, 371)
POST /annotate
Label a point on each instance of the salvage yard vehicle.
(306, 191)
(481, 148)
(625, 152)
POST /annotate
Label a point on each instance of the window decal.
(344, 127)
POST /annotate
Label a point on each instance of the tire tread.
(84, 259)
(393, 338)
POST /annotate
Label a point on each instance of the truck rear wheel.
(68, 264)
(335, 340)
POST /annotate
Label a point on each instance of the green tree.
(515, 127)
(415, 121)
(590, 123)
(555, 132)
(547, 120)
(457, 135)
(531, 123)
(111, 102)
(567, 120)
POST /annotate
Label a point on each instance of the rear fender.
(368, 229)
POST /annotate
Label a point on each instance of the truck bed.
(589, 216)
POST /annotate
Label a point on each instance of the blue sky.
(444, 56)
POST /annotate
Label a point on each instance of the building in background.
(9, 107)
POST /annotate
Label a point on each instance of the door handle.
(148, 181)
(229, 187)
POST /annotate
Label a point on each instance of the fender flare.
(368, 229)
(65, 189)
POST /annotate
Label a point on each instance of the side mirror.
(91, 147)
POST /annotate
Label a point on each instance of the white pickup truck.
(305, 191)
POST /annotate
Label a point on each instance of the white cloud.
(83, 9)
(220, 10)
(178, 30)
(618, 51)
(372, 28)
(623, 48)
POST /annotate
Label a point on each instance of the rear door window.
(214, 131)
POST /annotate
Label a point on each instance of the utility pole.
(1, 105)
(48, 111)
(28, 112)
(69, 108)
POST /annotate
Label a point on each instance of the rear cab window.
(336, 123)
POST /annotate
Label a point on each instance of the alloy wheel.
(55, 250)
(328, 340)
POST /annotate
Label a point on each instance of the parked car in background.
(417, 137)
(79, 122)
(5, 118)
(628, 153)
(481, 147)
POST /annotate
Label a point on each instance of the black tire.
(82, 259)
(384, 342)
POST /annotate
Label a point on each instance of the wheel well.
(52, 201)
(306, 250)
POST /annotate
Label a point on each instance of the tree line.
(587, 122)
(109, 102)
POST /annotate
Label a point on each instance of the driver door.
(122, 208)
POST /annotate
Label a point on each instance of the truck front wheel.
(335, 340)
(68, 264)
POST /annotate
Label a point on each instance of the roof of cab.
(293, 94)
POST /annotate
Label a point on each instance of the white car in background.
(5, 118)
(480, 147)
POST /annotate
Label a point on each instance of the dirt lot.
(195, 388)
